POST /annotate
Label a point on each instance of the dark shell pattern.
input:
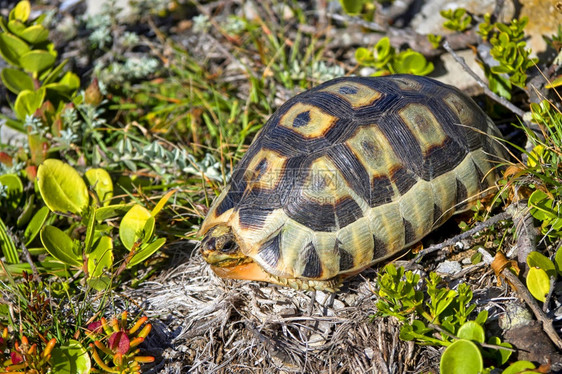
(354, 170)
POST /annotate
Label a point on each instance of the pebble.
(448, 267)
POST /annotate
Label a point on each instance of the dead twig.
(541, 316)
(489, 222)
(500, 100)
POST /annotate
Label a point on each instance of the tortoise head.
(221, 249)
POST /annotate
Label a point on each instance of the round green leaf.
(16, 27)
(12, 48)
(28, 102)
(21, 11)
(34, 34)
(352, 7)
(36, 61)
(16, 80)
(61, 187)
(101, 257)
(538, 283)
(472, 331)
(518, 367)
(136, 225)
(60, 246)
(462, 357)
(14, 188)
(70, 358)
(100, 181)
(538, 260)
(501, 355)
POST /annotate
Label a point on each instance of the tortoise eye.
(229, 246)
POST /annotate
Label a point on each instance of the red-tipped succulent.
(114, 345)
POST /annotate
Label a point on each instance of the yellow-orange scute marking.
(424, 126)
(356, 94)
(265, 170)
(307, 120)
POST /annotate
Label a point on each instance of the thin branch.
(524, 293)
(500, 100)
(437, 247)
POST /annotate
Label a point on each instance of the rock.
(544, 18)
(449, 71)
(448, 267)
(95, 7)
(430, 21)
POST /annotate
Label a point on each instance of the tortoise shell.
(345, 175)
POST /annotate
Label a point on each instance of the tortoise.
(347, 174)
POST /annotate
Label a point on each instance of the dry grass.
(204, 324)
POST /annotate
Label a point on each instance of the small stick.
(500, 100)
(524, 293)
(482, 225)
(485, 345)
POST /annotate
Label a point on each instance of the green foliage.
(33, 77)
(541, 271)
(457, 19)
(353, 7)
(435, 40)
(462, 357)
(65, 193)
(510, 52)
(543, 170)
(440, 317)
(385, 60)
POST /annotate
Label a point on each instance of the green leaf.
(482, 317)
(471, 330)
(16, 80)
(100, 181)
(54, 73)
(518, 367)
(12, 48)
(101, 257)
(364, 56)
(352, 7)
(538, 260)
(28, 102)
(62, 188)
(34, 226)
(462, 357)
(34, 34)
(36, 61)
(137, 225)
(60, 246)
(21, 11)
(501, 355)
(70, 358)
(111, 211)
(14, 189)
(146, 251)
(16, 27)
(555, 83)
(538, 283)
(7, 245)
